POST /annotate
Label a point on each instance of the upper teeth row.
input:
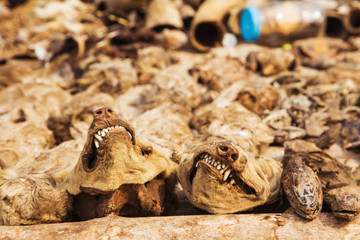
(102, 133)
(209, 159)
(221, 167)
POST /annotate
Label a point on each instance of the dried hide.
(22, 99)
(215, 78)
(117, 173)
(229, 119)
(271, 62)
(29, 190)
(176, 84)
(23, 140)
(320, 52)
(302, 188)
(340, 191)
(166, 127)
(220, 177)
(31, 200)
(110, 75)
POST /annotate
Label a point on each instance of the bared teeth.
(96, 142)
(98, 137)
(226, 174)
(102, 133)
(223, 169)
(129, 135)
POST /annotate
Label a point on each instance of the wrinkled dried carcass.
(218, 176)
(116, 173)
(338, 183)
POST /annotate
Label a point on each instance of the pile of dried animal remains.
(101, 116)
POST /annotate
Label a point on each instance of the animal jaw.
(220, 177)
(103, 138)
(118, 174)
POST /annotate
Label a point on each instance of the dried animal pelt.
(271, 62)
(118, 173)
(109, 75)
(175, 83)
(215, 78)
(166, 127)
(29, 189)
(230, 119)
(220, 177)
(339, 187)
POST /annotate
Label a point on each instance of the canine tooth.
(197, 164)
(129, 135)
(98, 137)
(96, 143)
(226, 174)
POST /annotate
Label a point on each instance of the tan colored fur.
(209, 193)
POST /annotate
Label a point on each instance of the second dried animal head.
(220, 177)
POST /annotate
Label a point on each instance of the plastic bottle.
(281, 22)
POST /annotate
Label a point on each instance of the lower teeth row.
(222, 167)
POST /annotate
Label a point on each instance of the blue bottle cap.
(250, 23)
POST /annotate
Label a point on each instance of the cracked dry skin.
(339, 187)
(302, 188)
(116, 172)
(220, 177)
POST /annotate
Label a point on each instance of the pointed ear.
(146, 149)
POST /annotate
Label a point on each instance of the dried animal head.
(344, 202)
(220, 177)
(112, 156)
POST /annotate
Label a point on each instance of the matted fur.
(206, 191)
(123, 162)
